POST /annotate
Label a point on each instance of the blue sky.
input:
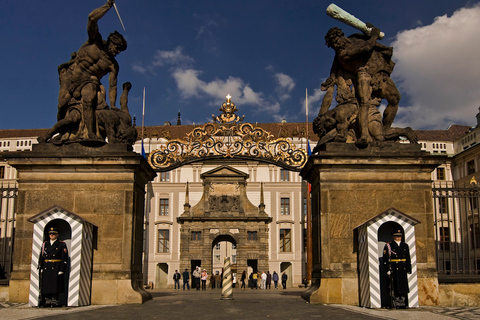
(190, 54)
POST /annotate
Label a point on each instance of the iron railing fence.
(8, 193)
(457, 233)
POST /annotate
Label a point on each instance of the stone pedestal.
(351, 186)
(104, 185)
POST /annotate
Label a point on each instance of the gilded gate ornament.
(227, 137)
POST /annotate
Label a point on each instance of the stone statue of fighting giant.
(360, 76)
(83, 113)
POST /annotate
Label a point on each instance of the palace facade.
(199, 211)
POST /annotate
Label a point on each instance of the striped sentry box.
(80, 253)
(368, 251)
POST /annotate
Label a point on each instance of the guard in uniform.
(396, 258)
(52, 264)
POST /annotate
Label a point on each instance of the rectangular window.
(163, 207)
(440, 173)
(252, 235)
(2, 172)
(285, 206)
(285, 240)
(443, 205)
(284, 175)
(444, 233)
(163, 240)
(165, 176)
(196, 235)
(470, 167)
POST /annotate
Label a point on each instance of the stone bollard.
(227, 290)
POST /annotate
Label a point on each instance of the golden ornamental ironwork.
(227, 138)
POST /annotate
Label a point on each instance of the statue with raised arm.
(80, 94)
(360, 76)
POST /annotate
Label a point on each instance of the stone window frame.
(165, 247)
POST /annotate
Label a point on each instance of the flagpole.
(143, 123)
(143, 111)
(309, 209)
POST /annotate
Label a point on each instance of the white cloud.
(190, 85)
(438, 67)
(285, 85)
(137, 67)
(175, 57)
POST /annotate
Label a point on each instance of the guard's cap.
(397, 233)
(53, 230)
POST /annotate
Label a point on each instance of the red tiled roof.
(453, 133)
(296, 129)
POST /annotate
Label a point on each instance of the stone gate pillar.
(351, 186)
(104, 185)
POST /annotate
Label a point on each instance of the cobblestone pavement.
(247, 304)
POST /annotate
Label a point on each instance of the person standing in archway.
(284, 280)
(396, 258)
(186, 278)
(197, 275)
(52, 264)
(204, 278)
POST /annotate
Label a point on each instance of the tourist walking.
(244, 276)
(269, 280)
(275, 279)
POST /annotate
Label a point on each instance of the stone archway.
(224, 213)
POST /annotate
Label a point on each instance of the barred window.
(443, 205)
(440, 173)
(285, 240)
(252, 235)
(196, 235)
(163, 240)
(444, 233)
